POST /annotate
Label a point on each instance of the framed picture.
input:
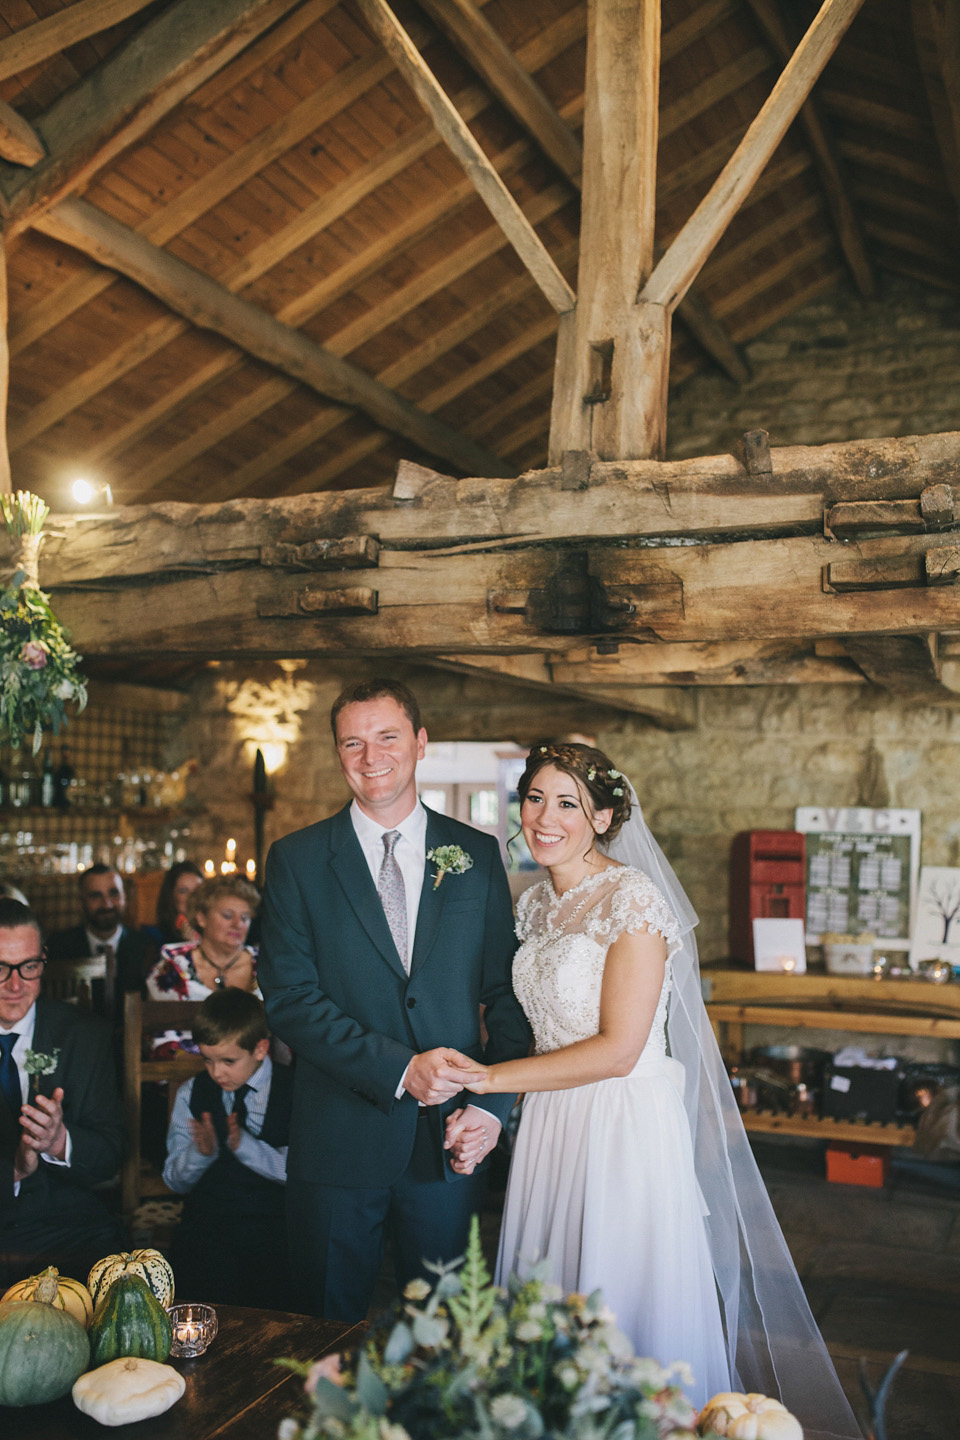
(936, 931)
(862, 872)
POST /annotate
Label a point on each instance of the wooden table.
(234, 1391)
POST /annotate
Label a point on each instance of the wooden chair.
(147, 1017)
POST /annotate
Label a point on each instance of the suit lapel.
(349, 865)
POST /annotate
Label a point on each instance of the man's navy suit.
(336, 991)
(135, 956)
(56, 1218)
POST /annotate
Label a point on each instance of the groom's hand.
(437, 1075)
(471, 1134)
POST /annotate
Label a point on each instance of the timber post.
(613, 355)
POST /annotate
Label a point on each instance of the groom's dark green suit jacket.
(337, 993)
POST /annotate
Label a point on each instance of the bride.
(631, 1171)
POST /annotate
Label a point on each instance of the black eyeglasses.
(27, 969)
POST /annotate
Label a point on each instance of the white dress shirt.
(186, 1165)
(410, 852)
(95, 941)
(24, 1030)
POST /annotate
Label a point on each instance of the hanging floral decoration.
(39, 672)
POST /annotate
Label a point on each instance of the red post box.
(767, 880)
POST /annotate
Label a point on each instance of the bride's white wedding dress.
(602, 1179)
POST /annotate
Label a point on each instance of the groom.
(374, 971)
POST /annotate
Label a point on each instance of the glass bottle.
(48, 783)
(63, 778)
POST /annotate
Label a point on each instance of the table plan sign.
(862, 868)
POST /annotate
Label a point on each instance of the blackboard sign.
(861, 872)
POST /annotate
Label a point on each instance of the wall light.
(84, 491)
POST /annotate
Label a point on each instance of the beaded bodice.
(564, 939)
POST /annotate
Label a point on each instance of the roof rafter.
(33, 43)
(836, 185)
(204, 302)
(128, 93)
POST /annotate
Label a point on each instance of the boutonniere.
(449, 860)
(36, 1063)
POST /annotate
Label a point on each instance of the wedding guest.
(219, 911)
(631, 1171)
(227, 1154)
(61, 1121)
(172, 926)
(103, 930)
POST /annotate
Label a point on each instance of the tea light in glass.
(194, 1326)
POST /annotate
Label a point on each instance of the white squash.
(749, 1417)
(128, 1389)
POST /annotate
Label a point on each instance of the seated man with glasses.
(61, 1121)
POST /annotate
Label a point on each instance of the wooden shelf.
(814, 1128)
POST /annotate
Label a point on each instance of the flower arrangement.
(38, 669)
(466, 1360)
(449, 860)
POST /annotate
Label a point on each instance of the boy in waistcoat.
(227, 1155)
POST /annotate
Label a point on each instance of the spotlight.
(83, 492)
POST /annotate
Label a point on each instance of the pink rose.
(329, 1367)
(34, 654)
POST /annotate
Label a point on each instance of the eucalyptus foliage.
(466, 1360)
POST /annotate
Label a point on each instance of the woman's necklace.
(221, 970)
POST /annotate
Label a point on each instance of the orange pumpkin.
(71, 1296)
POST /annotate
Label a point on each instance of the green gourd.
(43, 1350)
(129, 1321)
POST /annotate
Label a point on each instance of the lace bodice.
(564, 939)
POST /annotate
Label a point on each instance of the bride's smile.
(560, 827)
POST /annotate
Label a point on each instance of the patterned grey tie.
(393, 897)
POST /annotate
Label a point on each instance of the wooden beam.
(19, 142)
(37, 42)
(5, 481)
(127, 94)
(457, 136)
(204, 302)
(494, 61)
(687, 254)
(613, 356)
(833, 179)
(905, 664)
(670, 709)
(704, 498)
(513, 600)
(744, 662)
(712, 337)
(936, 30)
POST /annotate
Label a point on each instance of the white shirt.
(186, 1164)
(95, 941)
(410, 852)
(24, 1030)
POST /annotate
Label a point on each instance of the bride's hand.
(482, 1085)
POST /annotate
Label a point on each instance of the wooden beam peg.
(942, 565)
(757, 459)
(575, 469)
(508, 602)
(352, 600)
(938, 506)
(356, 552)
(412, 479)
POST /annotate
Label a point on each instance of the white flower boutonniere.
(449, 859)
(36, 1063)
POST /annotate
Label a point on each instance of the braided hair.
(606, 786)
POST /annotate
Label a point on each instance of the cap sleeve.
(631, 906)
(528, 909)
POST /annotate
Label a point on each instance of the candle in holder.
(788, 963)
(194, 1326)
(251, 870)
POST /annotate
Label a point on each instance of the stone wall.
(842, 368)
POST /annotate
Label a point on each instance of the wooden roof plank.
(936, 29)
(202, 301)
(19, 142)
(835, 183)
(499, 67)
(37, 42)
(684, 259)
(134, 87)
(455, 133)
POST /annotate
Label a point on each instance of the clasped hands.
(44, 1133)
(204, 1136)
(437, 1075)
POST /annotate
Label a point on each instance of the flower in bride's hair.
(617, 790)
(591, 773)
